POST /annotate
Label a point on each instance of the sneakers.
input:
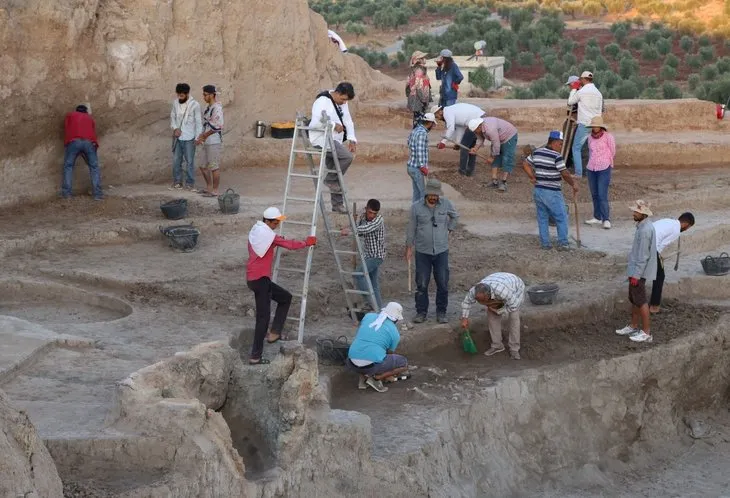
(361, 384)
(593, 221)
(627, 330)
(502, 187)
(495, 184)
(190, 187)
(546, 248)
(441, 318)
(563, 248)
(515, 355)
(177, 186)
(420, 318)
(641, 336)
(376, 384)
(607, 224)
(493, 350)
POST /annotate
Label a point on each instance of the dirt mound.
(267, 59)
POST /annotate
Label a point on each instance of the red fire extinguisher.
(720, 111)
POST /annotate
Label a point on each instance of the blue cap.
(556, 135)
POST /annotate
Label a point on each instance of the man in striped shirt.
(503, 295)
(545, 167)
(503, 137)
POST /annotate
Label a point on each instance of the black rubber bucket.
(175, 209)
(181, 237)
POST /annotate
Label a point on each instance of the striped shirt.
(505, 287)
(373, 236)
(547, 164)
(418, 147)
(497, 131)
(602, 151)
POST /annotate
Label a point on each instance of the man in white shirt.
(457, 117)
(186, 124)
(590, 105)
(337, 40)
(667, 231)
(333, 104)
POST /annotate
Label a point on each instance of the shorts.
(389, 363)
(506, 158)
(637, 295)
(211, 159)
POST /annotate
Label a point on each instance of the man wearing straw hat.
(372, 352)
(431, 221)
(418, 154)
(602, 147)
(642, 267)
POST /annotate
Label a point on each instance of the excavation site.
(125, 358)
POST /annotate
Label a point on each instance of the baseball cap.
(446, 53)
(572, 80)
(273, 213)
(586, 74)
(429, 116)
(209, 89)
(556, 135)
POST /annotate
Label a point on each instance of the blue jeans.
(550, 204)
(506, 158)
(579, 140)
(598, 181)
(425, 264)
(184, 149)
(86, 149)
(419, 183)
(373, 264)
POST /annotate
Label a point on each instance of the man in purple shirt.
(503, 137)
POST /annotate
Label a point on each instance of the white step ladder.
(301, 146)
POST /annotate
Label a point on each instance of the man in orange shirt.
(80, 139)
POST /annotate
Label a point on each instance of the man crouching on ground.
(502, 294)
(372, 353)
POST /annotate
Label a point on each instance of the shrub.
(709, 73)
(620, 34)
(686, 43)
(601, 63)
(627, 90)
(522, 93)
(558, 69)
(649, 53)
(394, 63)
(704, 41)
(651, 94)
(723, 65)
(607, 79)
(694, 61)
(612, 50)
(538, 88)
(552, 82)
(587, 66)
(671, 91)
(526, 59)
(549, 60)
(592, 52)
(570, 59)
(519, 18)
(663, 46)
(692, 81)
(668, 72)
(567, 46)
(651, 82)
(636, 43)
(652, 36)
(628, 67)
(707, 53)
(592, 42)
(482, 78)
(625, 54)
(355, 28)
(401, 57)
(671, 60)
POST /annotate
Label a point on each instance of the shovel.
(467, 343)
(577, 222)
(679, 251)
(466, 148)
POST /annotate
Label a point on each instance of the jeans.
(446, 103)
(598, 181)
(86, 149)
(419, 183)
(581, 135)
(264, 291)
(467, 161)
(344, 157)
(372, 264)
(506, 158)
(184, 149)
(425, 264)
(658, 285)
(550, 203)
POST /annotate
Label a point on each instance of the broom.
(467, 342)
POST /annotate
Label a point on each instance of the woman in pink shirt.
(602, 149)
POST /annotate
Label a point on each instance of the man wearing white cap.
(503, 138)
(642, 266)
(448, 73)
(456, 118)
(418, 154)
(590, 105)
(372, 353)
(262, 242)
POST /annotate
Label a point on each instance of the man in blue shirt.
(371, 354)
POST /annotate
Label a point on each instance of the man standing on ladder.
(262, 242)
(333, 103)
(590, 105)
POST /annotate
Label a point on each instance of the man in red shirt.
(262, 242)
(80, 139)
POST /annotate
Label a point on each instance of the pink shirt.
(257, 268)
(602, 151)
(497, 131)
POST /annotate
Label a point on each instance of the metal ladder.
(301, 146)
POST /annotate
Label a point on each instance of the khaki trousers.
(513, 326)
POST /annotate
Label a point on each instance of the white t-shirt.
(316, 137)
(457, 116)
(590, 103)
(667, 231)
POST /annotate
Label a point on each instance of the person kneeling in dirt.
(503, 295)
(372, 353)
(262, 242)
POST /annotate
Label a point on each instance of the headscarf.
(392, 311)
(261, 237)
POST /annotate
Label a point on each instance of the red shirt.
(257, 268)
(80, 125)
